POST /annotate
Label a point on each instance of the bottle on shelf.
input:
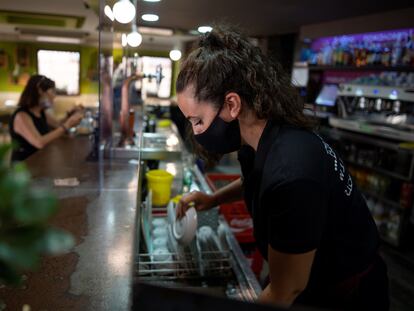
(396, 53)
(346, 51)
(406, 196)
(393, 224)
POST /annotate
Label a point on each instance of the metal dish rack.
(224, 273)
(185, 266)
(185, 262)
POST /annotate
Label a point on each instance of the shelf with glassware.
(390, 214)
(381, 176)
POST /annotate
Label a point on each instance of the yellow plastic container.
(159, 181)
(164, 123)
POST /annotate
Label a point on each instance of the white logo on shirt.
(338, 167)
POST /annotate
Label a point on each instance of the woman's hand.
(76, 108)
(73, 120)
(199, 200)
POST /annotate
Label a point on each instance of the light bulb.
(134, 39)
(124, 11)
(175, 55)
(109, 13)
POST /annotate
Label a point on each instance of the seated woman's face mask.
(221, 136)
(45, 103)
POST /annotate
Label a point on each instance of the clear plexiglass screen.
(63, 67)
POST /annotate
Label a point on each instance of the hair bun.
(211, 40)
(220, 38)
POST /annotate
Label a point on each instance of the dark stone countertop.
(100, 213)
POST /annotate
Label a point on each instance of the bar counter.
(100, 214)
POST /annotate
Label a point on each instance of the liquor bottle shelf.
(361, 68)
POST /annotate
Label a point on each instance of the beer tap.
(127, 115)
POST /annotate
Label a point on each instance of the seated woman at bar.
(311, 222)
(31, 127)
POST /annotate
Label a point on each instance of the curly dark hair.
(30, 95)
(225, 61)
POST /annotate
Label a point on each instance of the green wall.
(89, 63)
(88, 66)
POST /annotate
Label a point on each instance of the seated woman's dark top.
(23, 149)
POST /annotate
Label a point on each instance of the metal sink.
(160, 146)
(154, 146)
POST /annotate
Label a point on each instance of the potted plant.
(24, 231)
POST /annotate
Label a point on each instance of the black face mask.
(221, 136)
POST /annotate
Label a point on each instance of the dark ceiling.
(261, 17)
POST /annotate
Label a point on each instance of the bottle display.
(389, 49)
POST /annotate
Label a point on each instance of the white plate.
(185, 229)
(171, 212)
(159, 232)
(159, 243)
(159, 222)
(163, 260)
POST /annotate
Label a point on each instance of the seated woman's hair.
(30, 96)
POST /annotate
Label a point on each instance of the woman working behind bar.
(30, 126)
(311, 223)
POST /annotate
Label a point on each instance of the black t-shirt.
(302, 198)
(23, 148)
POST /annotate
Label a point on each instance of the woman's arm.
(201, 201)
(23, 125)
(289, 276)
(229, 193)
(52, 121)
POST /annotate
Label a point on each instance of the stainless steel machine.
(379, 111)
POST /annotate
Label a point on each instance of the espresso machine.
(382, 111)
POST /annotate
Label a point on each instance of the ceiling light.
(204, 29)
(155, 31)
(51, 32)
(152, 0)
(124, 11)
(175, 55)
(58, 39)
(124, 40)
(134, 39)
(150, 17)
(109, 13)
